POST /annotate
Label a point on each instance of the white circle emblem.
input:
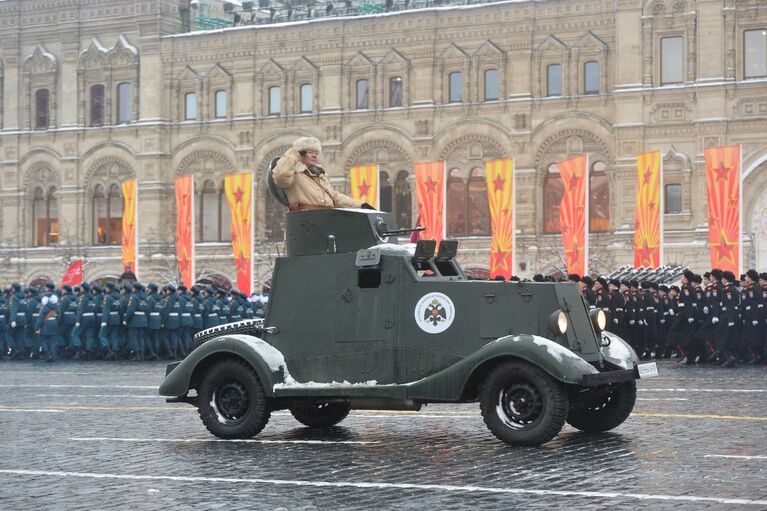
(434, 313)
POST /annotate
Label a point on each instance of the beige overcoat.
(304, 188)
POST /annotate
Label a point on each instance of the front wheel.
(320, 415)
(606, 413)
(522, 405)
(232, 402)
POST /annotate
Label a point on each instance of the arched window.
(220, 104)
(477, 207)
(395, 91)
(42, 108)
(673, 199)
(455, 87)
(45, 215)
(39, 216)
(599, 198)
(275, 100)
(190, 106)
(215, 219)
(456, 204)
(97, 105)
(363, 102)
(384, 192)
(553, 189)
(403, 206)
(306, 98)
(124, 103)
(225, 216)
(491, 85)
(274, 229)
(591, 77)
(107, 215)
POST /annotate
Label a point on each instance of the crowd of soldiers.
(115, 322)
(710, 318)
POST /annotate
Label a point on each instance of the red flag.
(648, 223)
(130, 232)
(239, 196)
(430, 192)
(500, 197)
(74, 274)
(724, 206)
(185, 228)
(573, 212)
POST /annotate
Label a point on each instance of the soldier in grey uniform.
(46, 324)
(31, 343)
(136, 320)
(186, 322)
(154, 321)
(109, 335)
(17, 318)
(5, 338)
(171, 321)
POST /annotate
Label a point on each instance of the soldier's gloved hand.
(754, 322)
(662, 321)
(671, 312)
(13, 324)
(125, 323)
(615, 321)
(632, 322)
(705, 310)
(714, 320)
(730, 324)
(103, 324)
(365, 205)
(690, 320)
(77, 325)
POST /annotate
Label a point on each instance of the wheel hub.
(521, 403)
(232, 399)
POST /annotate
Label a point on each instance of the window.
(554, 80)
(591, 77)
(97, 105)
(307, 98)
(395, 91)
(42, 106)
(468, 213)
(215, 218)
(491, 85)
(190, 106)
(107, 213)
(274, 100)
(755, 58)
(671, 60)
(673, 199)
(599, 198)
(45, 214)
(362, 95)
(274, 228)
(553, 189)
(124, 103)
(220, 104)
(455, 85)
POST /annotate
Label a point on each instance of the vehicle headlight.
(598, 319)
(558, 322)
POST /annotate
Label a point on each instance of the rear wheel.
(522, 405)
(232, 402)
(606, 413)
(319, 414)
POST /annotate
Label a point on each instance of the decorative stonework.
(205, 161)
(461, 148)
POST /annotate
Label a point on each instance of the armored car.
(358, 321)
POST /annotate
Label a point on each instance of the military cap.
(194, 290)
(652, 285)
(220, 291)
(644, 284)
(152, 286)
(707, 274)
(697, 278)
(127, 287)
(753, 275)
(675, 288)
(85, 286)
(602, 281)
(688, 274)
(138, 286)
(170, 288)
(716, 273)
(50, 285)
(763, 276)
(587, 280)
(67, 288)
(78, 289)
(663, 288)
(615, 282)
(574, 277)
(182, 287)
(728, 276)
(16, 286)
(538, 277)
(634, 283)
(96, 288)
(110, 285)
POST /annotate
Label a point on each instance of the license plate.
(648, 370)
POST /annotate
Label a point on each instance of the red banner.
(430, 193)
(574, 212)
(364, 183)
(239, 196)
(648, 227)
(129, 239)
(724, 204)
(500, 198)
(185, 228)
(73, 275)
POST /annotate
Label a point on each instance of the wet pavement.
(94, 435)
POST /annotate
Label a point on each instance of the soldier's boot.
(731, 361)
(110, 355)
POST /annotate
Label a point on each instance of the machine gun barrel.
(398, 232)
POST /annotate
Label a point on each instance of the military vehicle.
(357, 321)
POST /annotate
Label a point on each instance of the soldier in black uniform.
(617, 304)
(711, 304)
(729, 316)
(752, 334)
(664, 320)
(650, 319)
(682, 327)
(587, 283)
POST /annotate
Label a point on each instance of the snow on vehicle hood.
(268, 353)
(619, 352)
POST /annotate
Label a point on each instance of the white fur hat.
(307, 144)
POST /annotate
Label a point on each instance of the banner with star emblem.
(185, 228)
(500, 198)
(430, 185)
(364, 183)
(648, 223)
(723, 166)
(574, 212)
(129, 241)
(239, 195)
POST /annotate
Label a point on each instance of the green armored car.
(357, 321)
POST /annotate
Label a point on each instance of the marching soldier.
(753, 332)
(109, 335)
(67, 315)
(729, 316)
(210, 309)
(171, 311)
(154, 324)
(586, 285)
(136, 320)
(32, 344)
(17, 319)
(125, 294)
(235, 307)
(46, 325)
(82, 335)
(682, 328)
(186, 323)
(224, 310)
(617, 309)
(197, 310)
(4, 326)
(664, 321)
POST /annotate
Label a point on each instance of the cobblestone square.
(97, 436)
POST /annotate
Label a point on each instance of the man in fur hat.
(305, 182)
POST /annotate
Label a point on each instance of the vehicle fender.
(558, 361)
(619, 352)
(266, 360)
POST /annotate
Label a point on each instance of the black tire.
(606, 413)
(522, 405)
(319, 414)
(232, 402)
